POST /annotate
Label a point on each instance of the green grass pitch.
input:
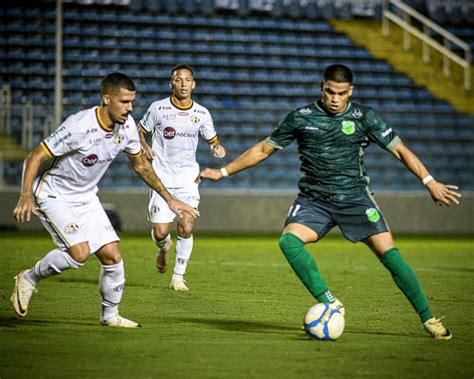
(243, 315)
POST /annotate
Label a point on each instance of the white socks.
(184, 248)
(111, 283)
(54, 263)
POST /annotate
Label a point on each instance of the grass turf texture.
(243, 315)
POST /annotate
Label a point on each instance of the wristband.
(224, 172)
(427, 179)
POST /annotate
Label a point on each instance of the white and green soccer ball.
(323, 322)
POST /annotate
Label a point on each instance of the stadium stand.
(252, 67)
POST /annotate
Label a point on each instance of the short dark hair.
(338, 73)
(115, 81)
(182, 66)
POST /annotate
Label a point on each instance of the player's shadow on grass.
(239, 325)
(13, 322)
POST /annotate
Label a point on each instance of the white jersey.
(175, 139)
(83, 148)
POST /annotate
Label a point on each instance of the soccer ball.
(323, 322)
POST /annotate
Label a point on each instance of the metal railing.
(428, 26)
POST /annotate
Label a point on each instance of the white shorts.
(158, 210)
(71, 223)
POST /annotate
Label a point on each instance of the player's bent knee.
(79, 252)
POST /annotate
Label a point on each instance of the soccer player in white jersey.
(176, 123)
(64, 197)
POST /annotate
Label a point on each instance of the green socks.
(406, 280)
(305, 267)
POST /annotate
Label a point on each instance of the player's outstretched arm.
(442, 194)
(26, 205)
(143, 168)
(249, 158)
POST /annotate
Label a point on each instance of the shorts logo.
(71, 228)
(90, 160)
(155, 209)
(118, 139)
(169, 132)
(348, 127)
(373, 214)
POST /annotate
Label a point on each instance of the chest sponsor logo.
(348, 127)
(71, 228)
(170, 133)
(118, 139)
(90, 160)
(373, 214)
(357, 113)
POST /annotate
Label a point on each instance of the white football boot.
(120, 322)
(436, 329)
(22, 294)
(178, 283)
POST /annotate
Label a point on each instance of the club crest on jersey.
(357, 113)
(118, 139)
(195, 119)
(348, 127)
(71, 228)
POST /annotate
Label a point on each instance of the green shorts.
(358, 216)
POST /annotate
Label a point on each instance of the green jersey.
(331, 146)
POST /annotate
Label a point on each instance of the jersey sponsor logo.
(169, 116)
(387, 132)
(348, 127)
(199, 111)
(305, 111)
(90, 160)
(71, 228)
(372, 214)
(92, 130)
(60, 140)
(357, 113)
(170, 133)
(95, 141)
(118, 139)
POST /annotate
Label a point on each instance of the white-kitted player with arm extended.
(176, 123)
(64, 196)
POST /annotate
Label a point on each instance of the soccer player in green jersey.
(331, 135)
